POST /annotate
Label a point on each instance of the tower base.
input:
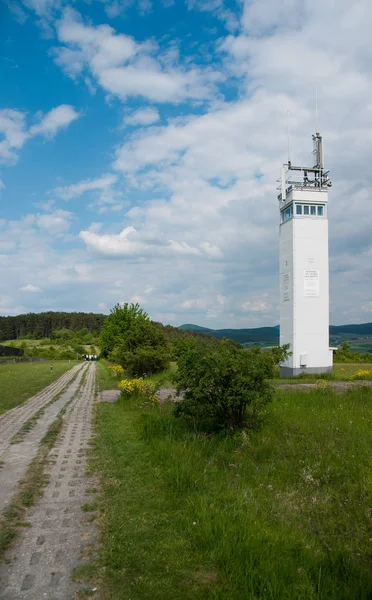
(291, 372)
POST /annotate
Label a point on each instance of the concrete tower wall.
(304, 285)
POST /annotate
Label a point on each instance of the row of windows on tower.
(303, 209)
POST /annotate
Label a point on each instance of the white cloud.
(131, 243)
(124, 67)
(228, 15)
(143, 116)
(13, 131)
(88, 185)
(30, 288)
(105, 193)
(13, 128)
(55, 120)
(116, 7)
(55, 223)
(256, 306)
(43, 8)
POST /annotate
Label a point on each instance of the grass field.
(44, 344)
(20, 381)
(279, 513)
(340, 372)
(106, 381)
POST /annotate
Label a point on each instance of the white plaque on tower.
(311, 283)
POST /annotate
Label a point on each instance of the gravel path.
(41, 563)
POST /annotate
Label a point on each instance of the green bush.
(131, 340)
(60, 335)
(119, 325)
(344, 354)
(226, 388)
(144, 360)
(65, 354)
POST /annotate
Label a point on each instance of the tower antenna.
(316, 110)
(288, 139)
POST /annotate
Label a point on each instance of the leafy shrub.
(344, 354)
(65, 354)
(61, 335)
(145, 390)
(119, 325)
(362, 374)
(226, 388)
(144, 360)
(131, 340)
(116, 370)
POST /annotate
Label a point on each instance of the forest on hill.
(41, 325)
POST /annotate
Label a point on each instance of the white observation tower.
(304, 269)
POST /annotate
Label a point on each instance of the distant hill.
(196, 328)
(267, 336)
(361, 328)
(359, 335)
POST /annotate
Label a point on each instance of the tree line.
(41, 325)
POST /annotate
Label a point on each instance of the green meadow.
(20, 381)
(281, 512)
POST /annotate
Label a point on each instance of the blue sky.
(140, 143)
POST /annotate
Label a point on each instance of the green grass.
(164, 379)
(146, 552)
(105, 380)
(279, 513)
(20, 381)
(340, 372)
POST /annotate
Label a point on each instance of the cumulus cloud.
(142, 116)
(104, 191)
(14, 130)
(124, 67)
(131, 244)
(55, 120)
(78, 189)
(30, 288)
(55, 223)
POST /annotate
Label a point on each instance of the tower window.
(306, 210)
(298, 209)
(320, 211)
(287, 213)
(313, 210)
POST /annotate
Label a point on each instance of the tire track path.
(60, 531)
(17, 457)
(12, 420)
